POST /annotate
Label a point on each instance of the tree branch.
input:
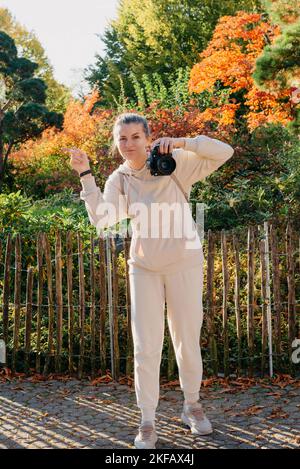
(7, 154)
(5, 106)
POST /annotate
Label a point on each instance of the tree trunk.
(3, 161)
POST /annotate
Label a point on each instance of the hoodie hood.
(142, 173)
(135, 177)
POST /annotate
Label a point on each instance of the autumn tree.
(226, 67)
(40, 166)
(23, 114)
(155, 36)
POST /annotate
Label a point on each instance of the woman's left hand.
(167, 144)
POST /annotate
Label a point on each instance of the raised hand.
(167, 144)
(78, 159)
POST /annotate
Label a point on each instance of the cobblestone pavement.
(75, 414)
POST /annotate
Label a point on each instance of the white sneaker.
(193, 416)
(147, 437)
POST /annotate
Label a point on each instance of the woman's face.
(132, 141)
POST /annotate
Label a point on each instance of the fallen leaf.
(208, 382)
(278, 413)
(275, 394)
(102, 379)
(252, 410)
(170, 383)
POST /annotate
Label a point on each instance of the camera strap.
(122, 188)
(180, 186)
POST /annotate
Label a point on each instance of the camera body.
(160, 164)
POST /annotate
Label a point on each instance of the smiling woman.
(132, 139)
(165, 267)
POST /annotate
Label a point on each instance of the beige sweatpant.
(182, 292)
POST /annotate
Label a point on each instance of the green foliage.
(281, 57)
(21, 214)
(39, 177)
(152, 94)
(23, 113)
(156, 37)
(106, 72)
(121, 102)
(278, 66)
(151, 88)
(258, 183)
(282, 12)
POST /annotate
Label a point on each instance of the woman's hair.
(128, 118)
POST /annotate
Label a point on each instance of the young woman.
(161, 268)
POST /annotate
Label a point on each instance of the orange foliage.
(230, 59)
(79, 130)
(78, 123)
(191, 122)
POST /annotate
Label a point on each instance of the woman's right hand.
(78, 159)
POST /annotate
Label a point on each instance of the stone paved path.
(74, 414)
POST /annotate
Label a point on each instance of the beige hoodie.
(162, 242)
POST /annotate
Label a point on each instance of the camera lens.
(166, 165)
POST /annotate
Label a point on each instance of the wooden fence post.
(264, 303)
(81, 306)
(268, 293)
(50, 351)
(110, 305)
(129, 357)
(39, 254)
(92, 308)
(210, 303)
(224, 306)
(17, 300)
(291, 292)
(69, 243)
(6, 287)
(115, 285)
(237, 308)
(28, 321)
(250, 298)
(276, 294)
(103, 304)
(59, 301)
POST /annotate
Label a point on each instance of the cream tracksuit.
(164, 267)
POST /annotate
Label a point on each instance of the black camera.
(160, 164)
